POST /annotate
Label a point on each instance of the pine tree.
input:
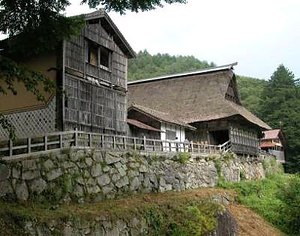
(281, 109)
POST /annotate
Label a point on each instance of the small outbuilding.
(273, 142)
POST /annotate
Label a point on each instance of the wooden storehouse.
(92, 70)
(273, 142)
(207, 100)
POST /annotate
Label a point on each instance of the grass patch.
(276, 198)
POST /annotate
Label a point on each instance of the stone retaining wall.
(88, 175)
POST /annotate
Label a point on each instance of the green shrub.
(184, 157)
(290, 197)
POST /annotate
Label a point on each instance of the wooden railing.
(81, 139)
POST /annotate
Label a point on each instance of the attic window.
(98, 55)
(104, 57)
(93, 54)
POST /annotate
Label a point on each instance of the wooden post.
(60, 141)
(154, 145)
(90, 140)
(145, 143)
(198, 147)
(170, 146)
(125, 144)
(101, 141)
(183, 146)
(76, 138)
(29, 145)
(114, 142)
(10, 147)
(134, 143)
(46, 143)
(192, 147)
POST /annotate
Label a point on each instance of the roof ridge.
(202, 71)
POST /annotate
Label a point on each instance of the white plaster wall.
(180, 131)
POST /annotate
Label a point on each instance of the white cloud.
(258, 34)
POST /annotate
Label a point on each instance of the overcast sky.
(258, 34)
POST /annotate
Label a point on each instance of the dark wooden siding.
(95, 95)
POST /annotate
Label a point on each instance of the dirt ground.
(251, 224)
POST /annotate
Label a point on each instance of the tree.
(37, 26)
(146, 65)
(281, 109)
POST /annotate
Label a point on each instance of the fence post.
(60, 141)
(145, 143)
(134, 143)
(101, 141)
(28, 145)
(46, 143)
(125, 145)
(154, 145)
(192, 147)
(76, 138)
(170, 146)
(114, 142)
(10, 147)
(90, 140)
(198, 147)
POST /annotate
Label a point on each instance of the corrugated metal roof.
(198, 72)
(142, 125)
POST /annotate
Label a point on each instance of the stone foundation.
(91, 176)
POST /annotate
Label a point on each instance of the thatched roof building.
(208, 100)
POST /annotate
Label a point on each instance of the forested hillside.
(276, 101)
(250, 91)
(146, 65)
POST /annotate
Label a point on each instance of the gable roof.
(110, 26)
(160, 116)
(191, 97)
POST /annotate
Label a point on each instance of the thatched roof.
(191, 97)
(160, 116)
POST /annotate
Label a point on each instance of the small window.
(98, 55)
(104, 57)
(170, 135)
(93, 54)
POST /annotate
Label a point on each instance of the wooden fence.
(82, 139)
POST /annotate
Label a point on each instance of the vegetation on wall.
(186, 213)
